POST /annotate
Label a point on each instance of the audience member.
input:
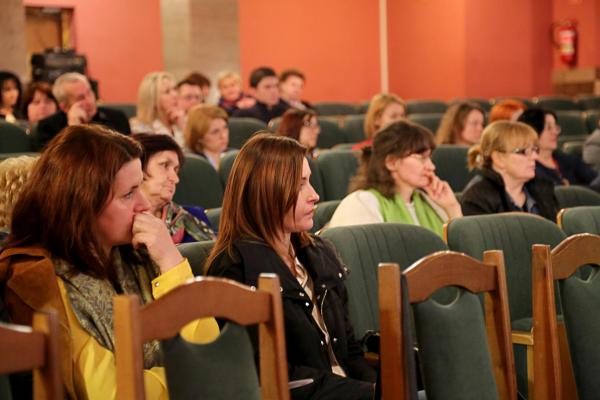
(462, 124)
(10, 88)
(263, 86)
(161, 160)
(77, 105)
(507, 110)
(552, 163)
(81, 233)
(507, 180)
(291, 85)
(202, 81)
(38, 102)
(267, 210)
(303, 126)
(14, 172)
(157, 108)
(396, 182)
(384, 109)
(190, 94)
(232, 98)
(207, 133)
(591, 149)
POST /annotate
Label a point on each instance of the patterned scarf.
(92, 298)
(179, 222)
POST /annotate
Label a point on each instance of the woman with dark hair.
(267, 210)
(38, 102)
(161, 160)
(507, 181)
(397, 183)
(552, 163)
(462, 124)
(303, 126)
(10, 91)
(81, 233)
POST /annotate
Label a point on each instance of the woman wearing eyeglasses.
(554, 164)
(303, 126)
(506, 159)
(397, 183)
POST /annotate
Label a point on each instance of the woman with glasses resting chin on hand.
(397, 183)
(506, 159)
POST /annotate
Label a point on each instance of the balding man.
(77, 105)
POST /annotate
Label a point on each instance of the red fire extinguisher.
(564, 36)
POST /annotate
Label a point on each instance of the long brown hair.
(262, 187)
(68, 188)
(292, 122)
(453, 122)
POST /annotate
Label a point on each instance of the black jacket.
(485, 194)
(261, 111)
(49, 127)
(570, 167)
(306, 352)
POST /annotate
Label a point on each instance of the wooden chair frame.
(34, 348)
(221, 298)
(445, 268)
(553, 361)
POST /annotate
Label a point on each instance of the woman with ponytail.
(397, 183)
(505, 159)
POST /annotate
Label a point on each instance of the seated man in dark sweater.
(77, 104)
(264, 88)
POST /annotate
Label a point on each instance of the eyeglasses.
(525, 151)
(555, 128)
(309, 124)
(423, 157)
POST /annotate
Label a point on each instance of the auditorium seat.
(573, 125)
(483, 103)
(197, 370)
(324, 108)
(323, 214)
(426, 107)
(199, 184)
(589, 102)
(575, 196)
(556, 103)
(354, 128)
(129, 109)
(240, 130)
(591, 119)
(451, 165)
(13, 139)
(196, 253)
(331, 134)
(337, 167)
(226, 164)
(430, 121)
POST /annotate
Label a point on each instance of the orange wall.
(121, 39)
(587, 14)
(334, 42)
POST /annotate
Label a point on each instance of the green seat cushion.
(196, 253)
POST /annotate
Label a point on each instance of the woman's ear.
(390, 162)
(498, 160)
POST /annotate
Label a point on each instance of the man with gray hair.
(77, 105)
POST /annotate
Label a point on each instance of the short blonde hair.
(226, 75)
(148, 96)
(14, 172)
(500, 136)
(198, 122)
(377, 106)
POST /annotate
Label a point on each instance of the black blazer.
(307, 354)
(261, 111)
(50, 126)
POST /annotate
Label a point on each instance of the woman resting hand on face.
(397, 183)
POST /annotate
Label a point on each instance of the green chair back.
(354, 128)
(13, 139)
(214, 216)
(575, 148)
(240, 130)
(315, 178)
(580, 220)
(337, 167)
(426, 107)
(225, 166)
(430, 121)
(323, 214)
(199, 184)
(451, 165)
(572, 125)
(330, 135)
(589, 102)
(591, 119)
(129, 109)
(335, 108)
(575, 196)
(363, 247)
(196, 253)
(557, 103)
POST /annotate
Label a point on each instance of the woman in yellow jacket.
(81, 233)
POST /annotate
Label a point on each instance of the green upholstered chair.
(225, 166)
(337, 167)
(514, 234)
(572, 124)
(574, 264)
(556, 103)
(222, 369)
(363, 247)
(483, 103)
(129, 109)
(34, 348)
(451, 165)
(331, 134)
(14, 139)
(430, 121)
(335, 108)
(354, 128)
(196, 253)
(591, 119)
(584, 219)
(575, 148)
(574, 196)
(240, 130)
(426, 107)
(315, 178)
(214, 216)
(323, 214)
(464, 352)
(199, 184)
(589, 102)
